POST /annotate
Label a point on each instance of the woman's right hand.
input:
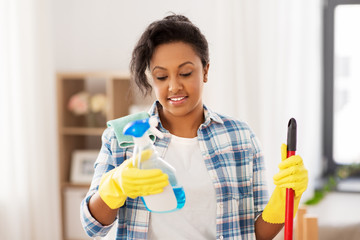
(128, 181)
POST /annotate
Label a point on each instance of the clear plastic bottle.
(173, 196)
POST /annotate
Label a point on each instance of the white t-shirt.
(197, 219)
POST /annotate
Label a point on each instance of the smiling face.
(178, 79)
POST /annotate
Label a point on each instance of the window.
(341, 83)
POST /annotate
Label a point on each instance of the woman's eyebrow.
(162, 68)
(181, 65)
(188, 62)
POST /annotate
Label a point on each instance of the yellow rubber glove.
(128, 181)
(293, 175)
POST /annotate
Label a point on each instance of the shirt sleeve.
(104, 163)
(260, 190)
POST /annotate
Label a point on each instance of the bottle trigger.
(153, 124)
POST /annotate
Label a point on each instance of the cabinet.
(77, 134)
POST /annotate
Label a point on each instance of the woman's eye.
(186, 74)
(161, 78)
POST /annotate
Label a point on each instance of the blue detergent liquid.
(180, 199)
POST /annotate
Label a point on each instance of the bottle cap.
(137, 128)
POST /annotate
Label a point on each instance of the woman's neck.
(182, 126)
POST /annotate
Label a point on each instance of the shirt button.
(221, 238)
(221, 205)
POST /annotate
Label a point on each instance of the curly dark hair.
(173, 28)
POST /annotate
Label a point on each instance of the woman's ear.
(206, 70)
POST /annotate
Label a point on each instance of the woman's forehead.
(174, 54)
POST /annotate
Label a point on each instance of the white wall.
(100, 35)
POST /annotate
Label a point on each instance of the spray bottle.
(173, 196)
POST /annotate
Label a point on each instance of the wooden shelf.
(82, 131)
(74, 133)
(74, 185)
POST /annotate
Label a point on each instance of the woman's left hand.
(292, 174)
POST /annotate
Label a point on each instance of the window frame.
(328, 83)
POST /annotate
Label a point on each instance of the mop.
(289, 205)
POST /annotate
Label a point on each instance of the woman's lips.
(177, 100)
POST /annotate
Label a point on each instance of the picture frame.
(82, 166)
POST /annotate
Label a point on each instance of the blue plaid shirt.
(235, 164)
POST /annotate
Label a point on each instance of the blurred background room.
(269, 61)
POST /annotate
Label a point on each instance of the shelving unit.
(74, 133)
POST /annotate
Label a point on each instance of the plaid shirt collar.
(208, 113)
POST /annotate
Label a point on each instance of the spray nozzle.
(139, 127)
(153, 124)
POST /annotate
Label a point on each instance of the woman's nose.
(175, 85)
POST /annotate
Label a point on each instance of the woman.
(218, 159)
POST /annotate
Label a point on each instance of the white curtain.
(265, 69)
(29, 195)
